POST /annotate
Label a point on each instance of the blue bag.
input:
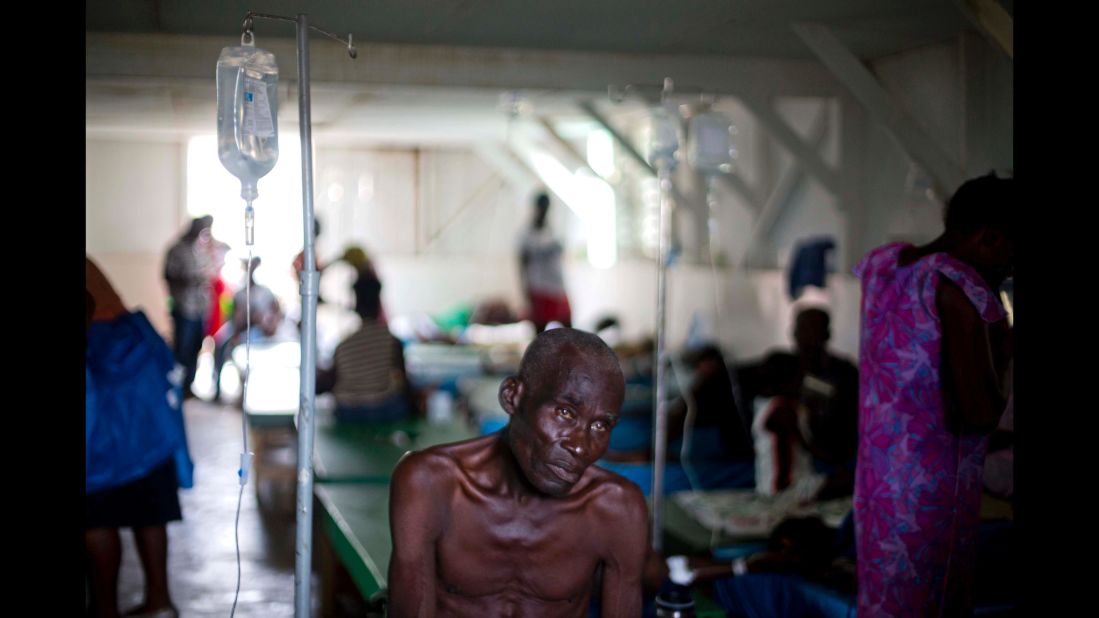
(133, 405)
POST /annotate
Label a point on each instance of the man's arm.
(972, 399)
(108, 304)
(417, 511)
(624, 558)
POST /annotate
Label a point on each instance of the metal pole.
(309, 284)
(660, 427)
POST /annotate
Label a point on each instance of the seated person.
(828, 389)
(711, 394)
(368, 376)
(265, 318)
(834, 423)
(519, 522)
(357, 257)
(783, 456)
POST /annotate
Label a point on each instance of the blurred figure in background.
(190, 271)
(540, 270)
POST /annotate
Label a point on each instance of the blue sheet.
(766, 595)
(708, 475)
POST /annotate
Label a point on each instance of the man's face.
(996, 256)
(561, 424)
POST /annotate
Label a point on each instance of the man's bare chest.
(549, 552)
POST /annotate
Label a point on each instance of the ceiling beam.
(993, 22)
(739, 186)
(783, 189)
(623, 142)
(120, 55)
(501, 158)
(804, 153)
(864, 86)
(566, 146)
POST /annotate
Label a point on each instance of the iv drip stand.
(303, 542)
(660, 426)
(310, 280)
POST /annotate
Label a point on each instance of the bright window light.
(591, 198)
(599, 221)
(558, 179)
(601, 153)
(212, 190)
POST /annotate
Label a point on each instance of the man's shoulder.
(616, 491)
(619, 513)
(437, 464)
(429, 469)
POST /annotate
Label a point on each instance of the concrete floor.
(202, 565)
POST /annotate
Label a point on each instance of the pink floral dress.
(917, 485)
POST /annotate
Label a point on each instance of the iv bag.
(248, 128)
(710, 148)
(663, 138)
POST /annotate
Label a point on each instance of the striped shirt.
(368, 366)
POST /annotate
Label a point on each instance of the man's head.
(368, 296)
(981, 217)
(541, 208)
(251, 266)
(563, 405)
(356, 256)
(812, 331)
(780, 376)
(198, 227)
(706, 360)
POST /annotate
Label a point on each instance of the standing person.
(135, 450)
(220, 294)
(189, 272)
(540, 270)
(934, 352)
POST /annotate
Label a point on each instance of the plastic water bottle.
(248, 128)
(675, 602)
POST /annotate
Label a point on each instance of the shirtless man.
(518, 523)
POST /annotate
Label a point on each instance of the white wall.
(133, 210)
(754, 312)
(961, 93)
